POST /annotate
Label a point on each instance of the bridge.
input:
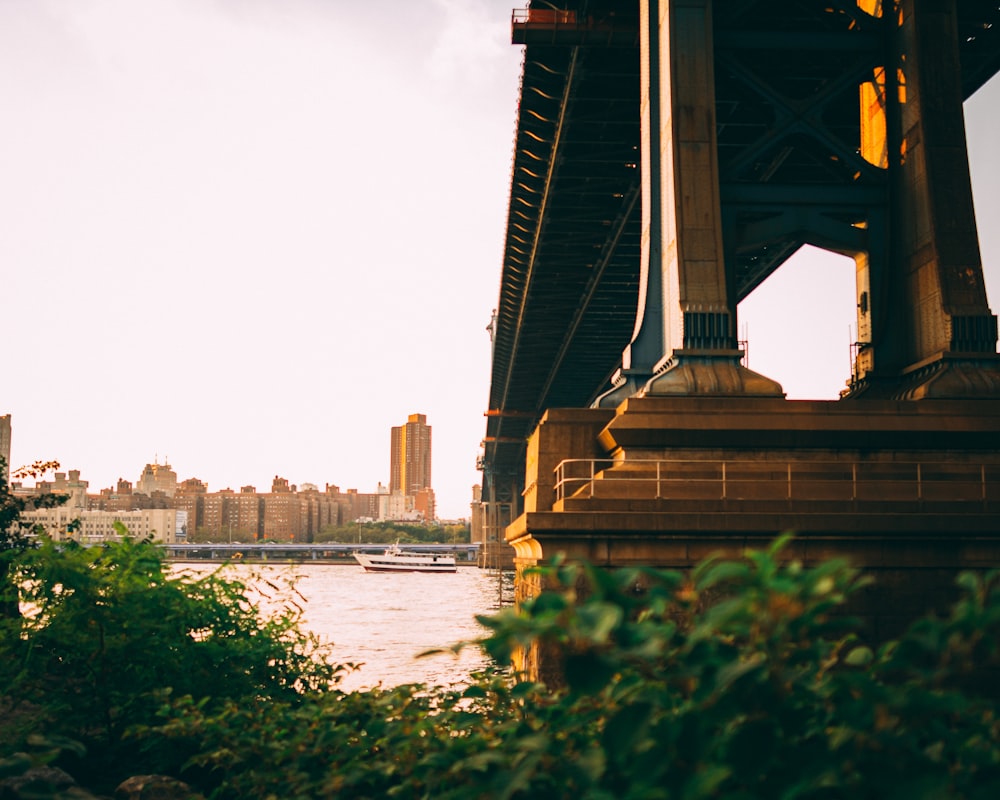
(290, 551)
(670, 155)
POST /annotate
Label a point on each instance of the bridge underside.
(789, 144)
(571, 263)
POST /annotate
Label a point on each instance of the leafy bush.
(739, 680)
(15, 534)
(109, 632)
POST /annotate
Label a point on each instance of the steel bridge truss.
(803, 145)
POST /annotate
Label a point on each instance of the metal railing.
(544, 17)
(917, 481)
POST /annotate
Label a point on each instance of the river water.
(382, 621)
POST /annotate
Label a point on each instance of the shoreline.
(333, 562)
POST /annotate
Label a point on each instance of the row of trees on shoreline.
(373, 533)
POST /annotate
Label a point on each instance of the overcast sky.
(251, 236)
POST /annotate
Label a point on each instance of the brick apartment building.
(285, 514)
(410, 456)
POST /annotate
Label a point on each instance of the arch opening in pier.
(800, 324)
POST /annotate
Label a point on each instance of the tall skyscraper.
(410, 458)
(5, 446)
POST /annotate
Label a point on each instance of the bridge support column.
(684, 341)
(932, 332)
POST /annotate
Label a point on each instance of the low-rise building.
(425, 504)
(93, 526)
(72, 487)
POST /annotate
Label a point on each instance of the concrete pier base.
(908, 491)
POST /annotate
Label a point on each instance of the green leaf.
(752, 746)
(546, 602)
(593, 765)
(588, 673)
(779, 543)
(705, 784)
(732, 672)
(523, 689)
(723, 612)
(970, 582)
(625, 728)
(859, 657)
(597, 620)
(56, 742)
(16, 764)
(722, 572)
(484, 760)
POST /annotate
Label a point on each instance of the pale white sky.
(251, 236)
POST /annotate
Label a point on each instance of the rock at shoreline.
(42, 781)
(154, 787)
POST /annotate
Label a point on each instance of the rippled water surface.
(383, 620)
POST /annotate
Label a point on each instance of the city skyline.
(156, 476)
(256, 235)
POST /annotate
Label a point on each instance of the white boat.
(392, 559)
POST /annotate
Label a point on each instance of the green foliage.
(739, 680)
(15, 535)
(110, 633)
(744, 681)
(387, 532)
(203, 535)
